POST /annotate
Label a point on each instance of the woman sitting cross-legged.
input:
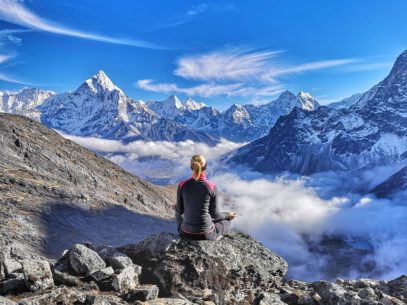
(196, 210)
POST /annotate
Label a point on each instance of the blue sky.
(219, 52)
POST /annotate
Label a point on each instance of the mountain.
(98, 108)
(243, 123)
(346, 102)
(306, 101)
(24, 102)
(55, 192)
(168, 108)
(371, 132)
(190, 104)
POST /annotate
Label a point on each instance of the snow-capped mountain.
(168, 108)
(243, 123)
(98, 108)
(190, 104)
(346, 102)
(24, 102)
(306, 101)
(371, 132)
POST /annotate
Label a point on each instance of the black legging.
(221, 227)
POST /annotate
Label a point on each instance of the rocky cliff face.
(55, 192)
(371, 132)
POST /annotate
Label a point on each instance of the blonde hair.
(197, 164)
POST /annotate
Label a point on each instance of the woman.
(196, 209)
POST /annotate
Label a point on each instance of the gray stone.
(64, 295)
(11, 265)
(268, 299)
(5, 301)
(102, 274)
(2, 272)
(126, 279)
(16, 285)
(119, 261)
(141, 293)
(37, 274)
(104, 300)
(84, 260)
(166, 301)
(63, 278)
(237, 262)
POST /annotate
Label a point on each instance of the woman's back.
(196, 210)
(198, 198)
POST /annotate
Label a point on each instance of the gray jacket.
(197, 207)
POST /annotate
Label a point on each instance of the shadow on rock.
(65, 225)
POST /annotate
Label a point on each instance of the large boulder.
(228, 271)
(37, 274)
(84, 260)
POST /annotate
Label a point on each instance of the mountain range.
(372, 131)
(98, 108)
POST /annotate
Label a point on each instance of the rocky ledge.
(165, 269)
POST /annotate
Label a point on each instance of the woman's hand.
(232, 215)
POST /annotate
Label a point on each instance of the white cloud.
(4, 58)
(227, 64)
(6, 78)
(210, 89)
(237, 71)
(14, 12)
(288, 213)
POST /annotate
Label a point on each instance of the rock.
(37, 275)
(11, 265)
(166, 301)
(63, 278)
(104, 300)
(2, 271)
(236, 262)
(84, 260)
(398, 288)
(119, 261)
(268, 299)
(102, 274)
(141, 293)
(5, 301)
(16, 285)
(66, 296)
(126, 279)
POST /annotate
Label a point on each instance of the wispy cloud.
(237, 71)
(14, 12)
(210, 89)
(6, 78)
(4, 58)
(193, 13)
(227, 64)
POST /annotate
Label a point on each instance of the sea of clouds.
(326, 225)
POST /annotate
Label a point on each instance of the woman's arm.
(179, 208)
(214, 210)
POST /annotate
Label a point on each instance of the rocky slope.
(164, 269)
(371, 132)
(54, 192)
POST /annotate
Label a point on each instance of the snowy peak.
(237, 114)
(192, 105)
(306, 101)
(99, 83)
(173, 101)
(168, 108)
